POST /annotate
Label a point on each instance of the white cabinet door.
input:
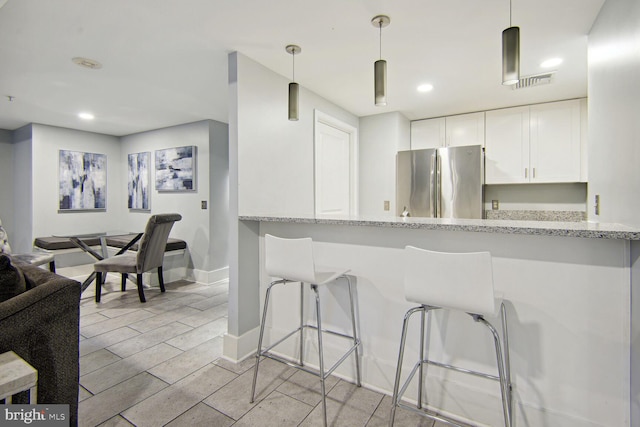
(507, 146)
(333, 175)
(555, 147)
(465, 129)
(428, 133)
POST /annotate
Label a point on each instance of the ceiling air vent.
(533, 80)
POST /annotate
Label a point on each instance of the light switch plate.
(203, 204)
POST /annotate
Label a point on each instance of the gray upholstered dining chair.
(149, 256)
(34, 258)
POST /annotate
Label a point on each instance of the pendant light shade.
(511, 56)
(294, 88)
(380, 66)
(380, 76)
(510, 53)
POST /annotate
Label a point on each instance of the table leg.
(105, 254)
(88, 281)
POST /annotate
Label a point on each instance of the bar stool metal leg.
(259, 351)
(505, 382)
(403, 339)
(356, 340)
(320, 354)
(421, 369)
(507, 362)
(504, 385)
(301, 323)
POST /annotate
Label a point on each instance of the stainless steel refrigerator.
(441, 182)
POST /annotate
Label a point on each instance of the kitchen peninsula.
(570, 308)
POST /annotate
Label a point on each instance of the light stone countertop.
(584, 229)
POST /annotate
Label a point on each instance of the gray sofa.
(41, 325)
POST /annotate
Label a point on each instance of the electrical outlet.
(387, 205)
(495, 205)
(203, 204)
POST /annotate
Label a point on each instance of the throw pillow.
(4, 241)
(12, 281)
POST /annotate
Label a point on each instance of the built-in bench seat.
(60, 243)
(121, 242)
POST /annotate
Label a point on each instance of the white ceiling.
(165, 61)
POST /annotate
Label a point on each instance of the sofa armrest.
(42, 326)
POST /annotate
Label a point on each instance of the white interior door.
(335, 167)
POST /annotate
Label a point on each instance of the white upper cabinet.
(555, 142)
(538, 144)
(465, 129)
(451, 131)
(507, 146)
(429, 133)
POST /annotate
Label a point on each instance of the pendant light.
(380, 66)
(294, 88)
(510, 53)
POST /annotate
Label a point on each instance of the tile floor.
(158, 364)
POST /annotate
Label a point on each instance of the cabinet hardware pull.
(534, 172)
(526, 172)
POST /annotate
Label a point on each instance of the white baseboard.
(211, 277)
(459, 396)
(236, 349)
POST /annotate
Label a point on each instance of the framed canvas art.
(139, 181)
(175, 169)
(82, 181)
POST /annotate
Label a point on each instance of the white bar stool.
(292, 261)
(452, 281)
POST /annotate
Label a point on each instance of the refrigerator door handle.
(433, 186)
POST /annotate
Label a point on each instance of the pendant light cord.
(510, 12)
(293, 54)
(381, 37)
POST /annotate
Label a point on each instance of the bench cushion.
(54, 243)
(121, 241)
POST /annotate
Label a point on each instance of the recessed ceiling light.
(551, 62)
(425, 87)
(87, 63)
(86, 116)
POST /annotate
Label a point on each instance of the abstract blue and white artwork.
(83, 180)
(175, 169)
(139, 180)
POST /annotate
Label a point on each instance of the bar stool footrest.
(463, 370)
(267, 352)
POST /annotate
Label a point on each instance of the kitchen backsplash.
(532, 215)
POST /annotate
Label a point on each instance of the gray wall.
(204, 230)
(381, 137)
(276, 156)
(46, 220)
(21, 231)
(6, 179)
(219, 195)
(271, 171)
(30, 163)
(614, 143)
(614, 103)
